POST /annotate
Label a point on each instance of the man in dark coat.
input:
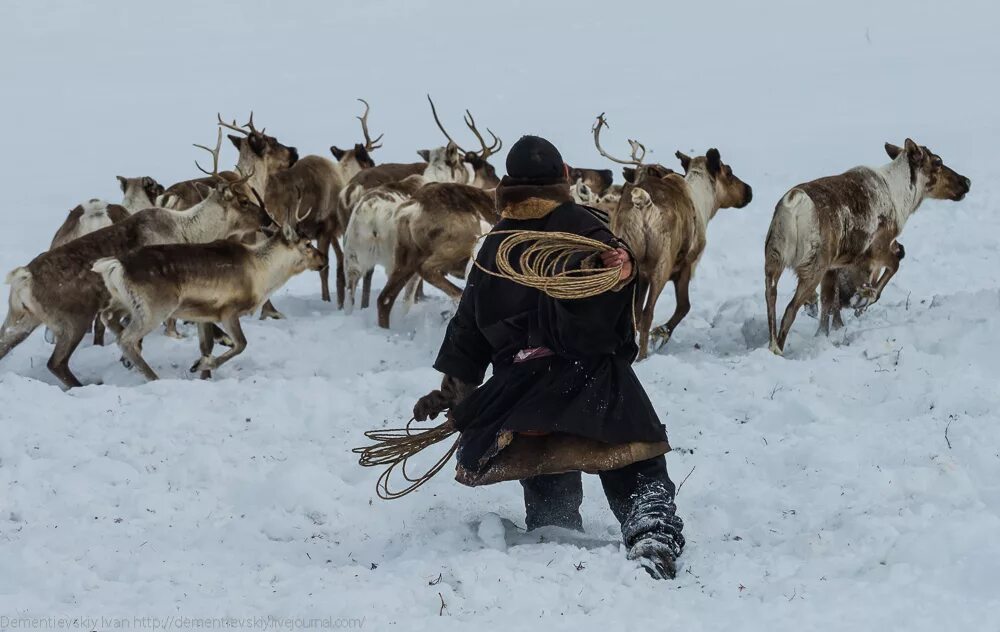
(563, 397)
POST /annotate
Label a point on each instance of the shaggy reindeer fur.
(370, 239)
(664, 218)
(437, 231)
(848, 220)
(58, 288)
(205, 283)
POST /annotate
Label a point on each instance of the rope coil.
(394, 446)
(543, 263)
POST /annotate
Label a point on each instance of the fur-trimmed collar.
(520, 199)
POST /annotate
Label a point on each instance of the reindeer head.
(597, 180)
(354, 160)
(258, 151)
(139, 193)
(929, 173)
(484, 175)
(730, 191)
(242, 214)
(305, 256)
(444, 164)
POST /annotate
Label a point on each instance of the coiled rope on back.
(543, 263)
(394, 446)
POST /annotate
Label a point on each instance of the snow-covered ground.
(854, 484)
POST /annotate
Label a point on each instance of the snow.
(854, 483)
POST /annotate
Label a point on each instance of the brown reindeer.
(205, 283)
(58, 288)
(436, 232)
(664, 217)
(261, 154)
(318, 181)
(848, 220)
(484, 175)
(138, 193)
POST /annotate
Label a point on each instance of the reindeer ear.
(425, 154)
(122, 182)
(629, 174)
(288, 233)
(236, 140)
(714, 161)
(640, 197)
(337, 152)
(607, 177)
(893, 150)
(685, 160)
(203, 189)
(913, 150)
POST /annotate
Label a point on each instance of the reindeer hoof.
(775, 349)
(266, 314)
(205, 364)
(125, 362)
(173, 333)
(812, 310)
(658, 338)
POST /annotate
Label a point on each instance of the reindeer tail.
(113, 274)
(19, 280)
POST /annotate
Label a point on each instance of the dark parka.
(585, 389)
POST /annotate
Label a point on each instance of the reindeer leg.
(16, 327)
(657, 282)
(828, 297)
(366, 289)
(98, 332)
(837, 308)
(130, 341)
(682, 286)
(639, 299)
(268, 310)
(400, 275)
(338, 252)
(805, 289)
(232, 324)
(68, 338)
(871, 294)
(206, 341)
(170, 329)
(771, 275)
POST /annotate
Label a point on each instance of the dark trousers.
(555, 499)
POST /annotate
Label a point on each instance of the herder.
(563, 397)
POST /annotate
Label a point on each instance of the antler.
(486, 151)
(263, 207)
(247, 128)
(233, 126)
(638, 149)
(440, 126)
(369, 143)
(241, 180)
(215, 156)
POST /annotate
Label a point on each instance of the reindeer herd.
(213, 249)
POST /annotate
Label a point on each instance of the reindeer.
(597, 181)
(319, 181)
(263, 154)
(206, 283)
(848, 220)
(484, 175)
(370, 239)
(138, 193)
(443, 164)
(436, 233)
(58, 288)
(664, 217)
